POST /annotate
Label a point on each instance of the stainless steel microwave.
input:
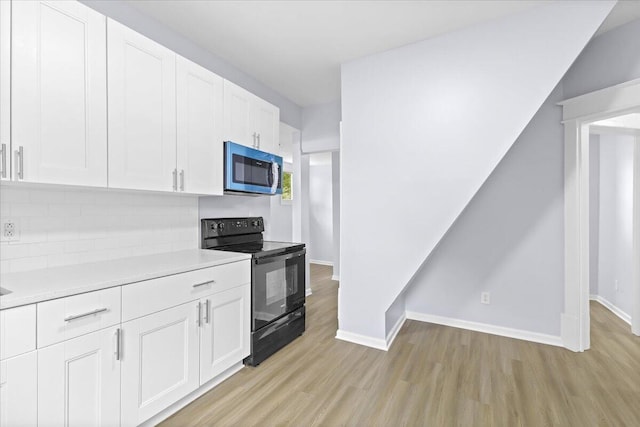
(247, 170)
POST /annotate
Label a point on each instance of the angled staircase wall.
(423, 127)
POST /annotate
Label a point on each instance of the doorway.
(611, 170)
(578, 115)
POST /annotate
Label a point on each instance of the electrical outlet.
(485, 298)
(10, 231)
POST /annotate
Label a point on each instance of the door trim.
(578, 113)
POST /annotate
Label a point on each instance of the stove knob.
(221, 225)
(213, 226)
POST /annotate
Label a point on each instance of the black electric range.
(277, 281)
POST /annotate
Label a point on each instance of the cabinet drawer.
(66, 318)
(150, 296)
(17, 331)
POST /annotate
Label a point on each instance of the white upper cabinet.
(5, 90)
(249, 120)
(59, 116)
(238, 126)
(200, 126)
(142, 111)
(267, 125)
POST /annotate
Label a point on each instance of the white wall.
(128, 15)
(64, 226)
(320, 208)
(436, 117)
(335, 192)
(321, 127)
(615, 247)
(610, 59)
(281, 215)
(321, 133)
(509, 240)
(426, 292)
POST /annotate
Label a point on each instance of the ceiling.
(296, 47)
(628, 121)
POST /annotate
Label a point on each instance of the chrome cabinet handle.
(182, 180)
(206, 311)
(209, 282)
(199, 319)
(118, 344)
(3, 163)
(258, 137)
(79, 316)
(254, 139)
(20, 162)
(175, 179)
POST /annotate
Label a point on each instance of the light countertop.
(40, 285)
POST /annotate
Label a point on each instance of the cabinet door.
(5, 88)
(238, 122)
(225, 331)
(267, 124)
(59, 104)
(17, 330)
(200, 126)
(159, 361)
(142, 111)
(79, 381)
(19, 391)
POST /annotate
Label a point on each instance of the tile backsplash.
(64, 226)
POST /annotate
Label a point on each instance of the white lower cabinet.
(159, 361)
(19, 391)
(169, 354)
(79, 381)
(225, 331)
(125, 373)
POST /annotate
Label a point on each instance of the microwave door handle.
(270, 175)
(274, 175)
(276, 258)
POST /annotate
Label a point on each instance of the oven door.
(278, 284)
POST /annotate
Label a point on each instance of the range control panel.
(231, 226)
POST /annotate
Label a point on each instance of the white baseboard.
(487, 329)
(163, 415)
(612, 308)
(391, 336)
(377, 343)
(307, 292)
(319, 261)
(335, 277)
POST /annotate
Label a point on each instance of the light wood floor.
(432, 376)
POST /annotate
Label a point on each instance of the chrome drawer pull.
(209, 282)
(78, 316)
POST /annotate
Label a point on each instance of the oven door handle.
(280, 257)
